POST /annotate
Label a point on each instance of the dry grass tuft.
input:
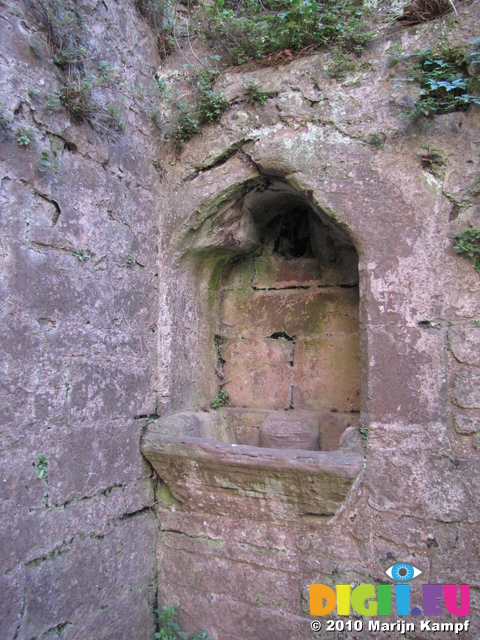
(76, 96)
(424, 10)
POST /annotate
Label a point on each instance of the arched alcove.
(278, 343)
(288, 331)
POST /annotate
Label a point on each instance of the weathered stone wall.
(343, 146)
(78, 333)
(107, 317)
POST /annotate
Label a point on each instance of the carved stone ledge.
(196, 455)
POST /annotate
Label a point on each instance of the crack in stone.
(293, 286)
(62, 548)
(58, 629)
(22, 612)
(134, 514)
(222, 158)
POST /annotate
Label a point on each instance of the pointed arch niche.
(281, 358)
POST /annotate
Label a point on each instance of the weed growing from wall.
(131, 261)
(468, 243)
(24, 135)
(81, 255)
(254, 29)
(76, 97)
(188, 123)
(420, 11)
(169, 628)
(340, 65)
(445, 86)
(208, 107)
(254, 94)
(49, 159)
(42, 466)
(220, 400)
(5, 120)
(211, 104)
(66, 39)
(376, 140)
(64, 28)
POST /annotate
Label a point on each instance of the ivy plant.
(468, 242)
(445, 82)
(445, 87)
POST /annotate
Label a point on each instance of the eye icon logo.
(377, 600)
(402, 572)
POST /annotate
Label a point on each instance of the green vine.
(468, 242)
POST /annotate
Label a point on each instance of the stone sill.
(210, 475)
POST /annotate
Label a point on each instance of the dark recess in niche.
(290, 233)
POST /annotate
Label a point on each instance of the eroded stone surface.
(466, 391)
(466, 424)
(290, 430)
(289, 339)
(78, 336)
(81, 337)
(465, 344)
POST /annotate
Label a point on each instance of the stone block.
(232, 618)
(276, 272)
(87, 576)
(466, 389)
(222, 576)
(409, 360)
(465, 344)
(235, 544)
(31, 534)
(297, 312)
(86, 460)
(251, 482)
(242, 537)
(43, 217)
(138, 495)
(327, 373)
(290, 430)
(245, 424)
(16, 200)
(129, 617)
(258, 372)
(101, 390)
(466, 424)
(20, 486)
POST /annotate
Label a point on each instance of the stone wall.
(345, 148)
(78, 333)
(107, 321)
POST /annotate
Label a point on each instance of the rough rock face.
(417, 500)
(78, 334)
(111, 264)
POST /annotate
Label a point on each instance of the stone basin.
(211, 462)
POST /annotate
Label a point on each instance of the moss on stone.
(165, 496)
